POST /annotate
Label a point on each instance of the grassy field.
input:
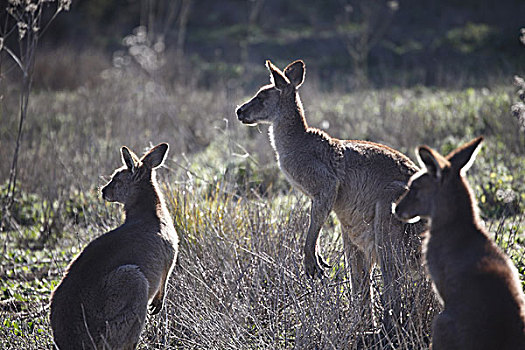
(239, 282)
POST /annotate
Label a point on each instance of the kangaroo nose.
(400, 214)
(239, 112)
(394, 208)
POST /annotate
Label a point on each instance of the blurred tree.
(162, 16)
(362, 24)
(147, 44)
(429, 42)
(518, 108)
(24, 22)
(253, 18)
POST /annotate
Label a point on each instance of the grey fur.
(102, 300)
(357, 179)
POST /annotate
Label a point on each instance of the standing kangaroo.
(484, 305)
(102, 300)
(357, 179)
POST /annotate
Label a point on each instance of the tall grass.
(240, 283)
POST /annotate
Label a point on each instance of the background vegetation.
(136, 73)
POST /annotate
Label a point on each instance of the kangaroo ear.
(427, 158)
(129, 158)
(155, 157)
(277, 77)
(295, 72)
(462, 157)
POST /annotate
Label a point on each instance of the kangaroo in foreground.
(102, 300)
(357, 179)
(484, 305)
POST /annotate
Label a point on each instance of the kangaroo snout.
(240, 113)
(399, 213)
(108, 193)
(402, 213)
(394, 210)
(104, 192)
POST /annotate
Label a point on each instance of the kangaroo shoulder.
(383, 156)
(327, 147)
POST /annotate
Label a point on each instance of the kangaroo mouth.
(407, 218)
(107, 197)
(248, 122)
(403, 216)
(245, 120)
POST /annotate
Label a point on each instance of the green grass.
(239, 281)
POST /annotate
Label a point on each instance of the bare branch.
(15, 58)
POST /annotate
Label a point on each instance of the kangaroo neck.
(289, 126)
(456, 213)
(149, 205)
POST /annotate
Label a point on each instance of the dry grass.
(240, 284)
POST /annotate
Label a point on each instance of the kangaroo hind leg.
(358, 265)
(125, 307)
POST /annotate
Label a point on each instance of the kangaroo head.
(438, 179)
(128, 180)
(264, 107)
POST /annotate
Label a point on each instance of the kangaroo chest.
(307, 164)
(449, 264)
(294, 180)
(437, 256)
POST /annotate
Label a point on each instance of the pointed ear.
(155, 157)
(277, 77)
(427, 159)
(462, 157)
(295, 72)
(129, 158)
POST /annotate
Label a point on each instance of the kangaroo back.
(101, 302)
(484, 305)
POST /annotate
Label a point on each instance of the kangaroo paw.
(315, 265)
(155, 306)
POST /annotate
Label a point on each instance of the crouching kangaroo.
(357, 179)
(483, 301)
(102, 300)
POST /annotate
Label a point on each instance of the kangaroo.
(484, 305)
(357, 179)
(102, 300)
